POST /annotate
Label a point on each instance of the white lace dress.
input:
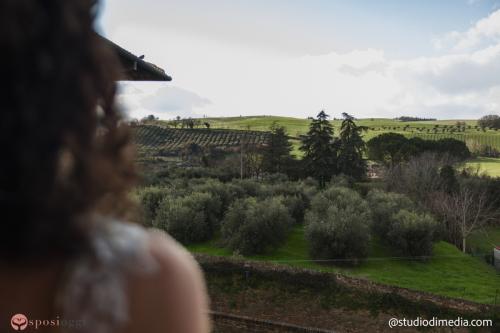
(94, 292)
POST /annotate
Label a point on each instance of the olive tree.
(338, 226)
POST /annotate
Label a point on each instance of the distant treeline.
(393, 148)
(492, 121)
(406, 118)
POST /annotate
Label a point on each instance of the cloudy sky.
(370, 58)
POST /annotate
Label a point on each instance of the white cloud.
(164, 100)
(458, 73)
(174, 100)
(484, 32)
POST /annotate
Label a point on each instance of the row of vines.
(471, 139)
(156, 137)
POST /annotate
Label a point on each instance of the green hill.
(297, 126)
(157, 139)
(467, 131)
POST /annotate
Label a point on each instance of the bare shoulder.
(173, 259)
(173, 298)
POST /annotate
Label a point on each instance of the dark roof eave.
(136, 69)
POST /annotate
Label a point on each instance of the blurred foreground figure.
(68, 260)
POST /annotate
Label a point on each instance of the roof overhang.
(134, 68)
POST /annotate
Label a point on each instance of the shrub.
(192, 218)
(340, 235)
(295, 196)
(383, 206)
(275, 178)
(343, 197)
(283, 188)
(218, 190)
(449, 179)
(363, 188)
(212, 206)
(337, 225)
(453, 147)
(152, 177)
(222, 174)
(150, 198)
(252, 227)
(304, 189)
(249, 187)
(235, 191)
(342, 180)
(412, 233)
(310, 182)
(296, 207)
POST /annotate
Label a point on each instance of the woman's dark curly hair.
(65, 154)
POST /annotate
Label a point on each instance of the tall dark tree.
(351, 147)
(276, 155)
(449, 179)
(320, 150)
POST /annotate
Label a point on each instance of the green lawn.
(488, 165)
(449, 272)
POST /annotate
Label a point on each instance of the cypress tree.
(276, 156)
(320, 151)
(351, 147)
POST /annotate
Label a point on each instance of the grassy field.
(449, 272)
(488, 165)
(297, 126)
(425, 129)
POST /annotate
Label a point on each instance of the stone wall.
(321, 280)
(228, 323)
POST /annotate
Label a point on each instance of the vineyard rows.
(153, 137)
(469, 138)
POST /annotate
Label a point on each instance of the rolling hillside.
(297, 126)
(159, 139)
(432, 130)
(468, 131)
